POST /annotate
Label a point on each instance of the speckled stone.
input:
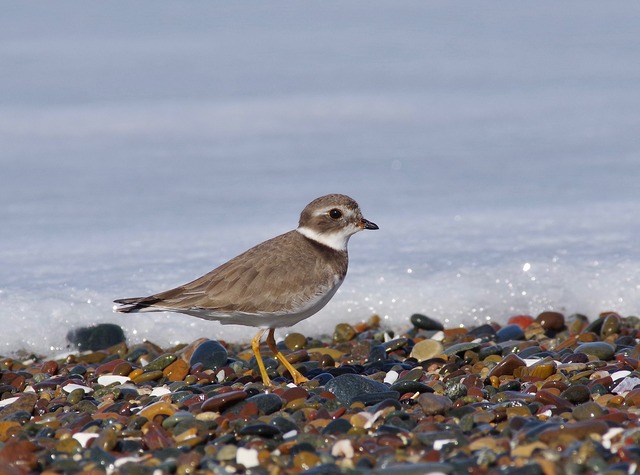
(349, 386)
(25, 403)
(161, 362)
(267, 403)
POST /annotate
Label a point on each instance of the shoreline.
(545, 395)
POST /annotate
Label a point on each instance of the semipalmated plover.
(274, 284)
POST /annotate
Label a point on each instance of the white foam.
(499, 187)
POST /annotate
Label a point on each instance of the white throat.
(337, 240)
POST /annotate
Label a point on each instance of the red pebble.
(222, 401)
(155, 437)
(523, 321)
(475, 392)
(50, 367)
(109, 366)
(548, 398)
(292, 394)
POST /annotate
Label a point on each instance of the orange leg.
(295, 374)
(255, 346)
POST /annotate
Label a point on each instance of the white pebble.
(108, 379)
(609, 435)
(620, 374)
(247, 457)
(626, 385)
(372, 418)
(84, 437)
(72, 387)
(531, 361)
(292, 434)
(438, 444)
(160, 391)
(391, 377)
(438, 336)
(342, 448)
(122, 460)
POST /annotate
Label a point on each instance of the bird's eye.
(335, 213)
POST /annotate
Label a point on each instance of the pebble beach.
(546, 394)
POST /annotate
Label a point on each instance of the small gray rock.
(348, 386)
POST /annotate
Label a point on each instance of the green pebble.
(176, 418)
(123, 369)
(610, 326)
(295, 341)
(600, 349)
(106, 440)
(150, 376)
(160, 363)
(104, 392)
(68, 446)
(39, 377)
(587, 411)
(426, 349)
(75, 396)
(227, 452)
(87, 406)
(412, 375)
(343, 332)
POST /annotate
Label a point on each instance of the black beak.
(365, 224)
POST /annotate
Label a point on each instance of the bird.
(276, 283)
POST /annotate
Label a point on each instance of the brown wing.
(254, 282)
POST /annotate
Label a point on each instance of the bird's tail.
(136, 304)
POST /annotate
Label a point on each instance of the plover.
(275, 284)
